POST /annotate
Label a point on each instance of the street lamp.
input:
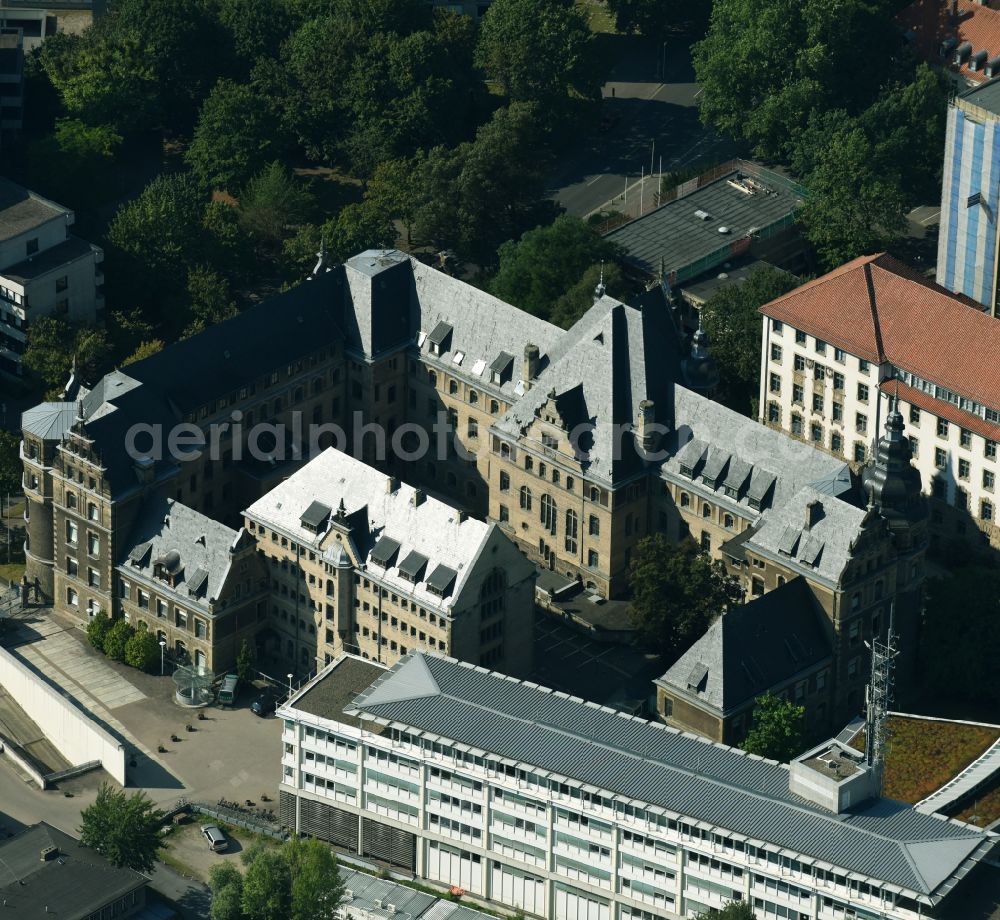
(163, 646)
(289, 686)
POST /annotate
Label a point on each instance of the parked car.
(229, 689)
(265, 704)
(214, 837)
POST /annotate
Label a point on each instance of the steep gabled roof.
(754, 648)
(880, 309)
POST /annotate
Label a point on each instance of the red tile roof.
(942, 409)
(882, 310)
(930, 23)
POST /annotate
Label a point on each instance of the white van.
(215, 838)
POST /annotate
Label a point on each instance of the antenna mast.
(880, 687)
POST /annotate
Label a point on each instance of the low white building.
(44, 270)
(837, 349)
(568, 810)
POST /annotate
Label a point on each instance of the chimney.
(391, 484)
(814, 513)
(644, 422)
(462, 517)
(418, 497)
(49, 852)
(531, 360)
(953, 10)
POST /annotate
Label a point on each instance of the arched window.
(494, 406)
(548, 514)
(504, 449)
(525, 498)
(569, 483)
(706, 510)
(432, 379)
(685, 500)
(493, 594)
(453, 387)
(555, 477)
(473, 397)
(729, 521)
(572, 525)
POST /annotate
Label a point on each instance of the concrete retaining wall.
(75, 735)
(11, 750)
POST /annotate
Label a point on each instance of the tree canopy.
(540, 267)
(123, 828)
(539, 51)
(677, 591)
(734, 910)
(733, 323)
(53, 344)
(298, 881)
(766, 65)
(777, 729)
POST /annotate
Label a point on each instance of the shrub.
(97, 629)
(142, 650)
(117, 639)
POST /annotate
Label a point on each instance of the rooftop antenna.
(880, 687)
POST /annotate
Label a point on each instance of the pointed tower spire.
(322, 259)
(890, 479)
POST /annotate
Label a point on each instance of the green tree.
(210, 300)
(97, 629)
(10, 463)
(734, 910)
(144, 350)
(777, 728)
(316, 885)
(677, 591)
(271, 203)
(733, 323)
(960, 634)
(226, 885)
(142, 650)
(766, 65)
(234, 138)
(654, 18)
(539, 268)
(160, 228)
(74, 162)
(117, 639)
(267, 884)
(123, 829)
(856, 203)
(53, 343)
(391, 191)
(246, 659)
(257, 27)
(579, 298)
(539, 51)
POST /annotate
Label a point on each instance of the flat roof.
(22, 211)
(985, 96)
(326, 695)
(680, 773)
(675, 234)
(64, 253)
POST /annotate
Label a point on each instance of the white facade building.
(571, 811)
(44, 270)
(834, 352)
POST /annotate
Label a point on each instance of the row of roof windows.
(439, 344)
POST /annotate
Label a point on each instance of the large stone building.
(836, 350)
(565, 810)
(44, 270)
(363, 562)
(575, 443)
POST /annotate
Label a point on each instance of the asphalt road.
(645, 121)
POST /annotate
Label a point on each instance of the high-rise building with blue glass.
(970, 196)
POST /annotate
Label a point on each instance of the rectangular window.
(593, 560)
(800, 337)
(778, 326)
(914, 447)
(839, 355)
(797, 394)
(820, 347)
(773, 412)
(914, 415)
(989, 479)
(71, 533)
(990, 450)
(836, 443)
(859, 453)
(595, 526)
(863, 366)
(161, 609)
(180, 618)
(838, 412)
(93, 578)
(860, 423)
(72, 568)
(965, 438)
(940, 458)
(817, 402)
(986, 510)
(800, 363)
(796, 424)
(776, 353)
(774, 383)
(964, 468)
(942, 428)
(200, 628)
(72, 598)
(838, 381)
(862, 392)
(143, 599)
(93, 544)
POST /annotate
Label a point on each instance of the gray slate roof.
(612, 359)
(674, 233)
(710, 436)
(413, 905)
(680, 773)
(825, 547)
(22, 211)
(49, 420)
(165, 527)
(753, 648)
(73, 886)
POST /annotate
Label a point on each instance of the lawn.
(924, 755)
(599, 16)
(984, 808)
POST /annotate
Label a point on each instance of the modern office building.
(44, 270)
(970, 195)
(361, 561)
(837, 349)
(567, 810)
